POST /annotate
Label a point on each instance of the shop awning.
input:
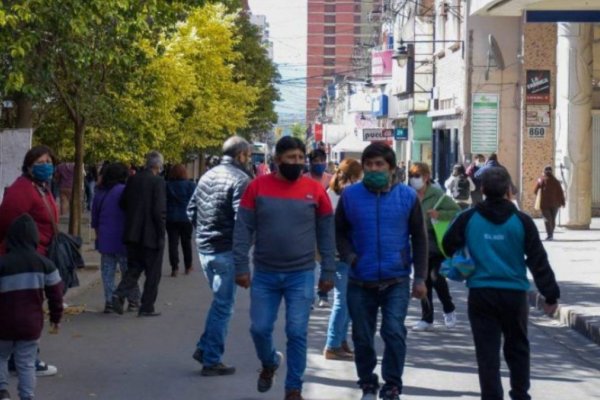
(350, 144)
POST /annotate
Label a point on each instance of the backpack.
(462, 191)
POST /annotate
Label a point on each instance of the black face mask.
(291, 172)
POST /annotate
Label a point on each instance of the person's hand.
(433, 214)
(325, 286)
(53, 328)
(550, 309)
(419, 290)
(243, 280)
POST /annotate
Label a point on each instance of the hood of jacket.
(22, 234)
(497, 211)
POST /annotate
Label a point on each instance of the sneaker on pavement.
(293, 394)
(369, 392)
(323, 303)
(422, 326)
(217, 370)
(450, 320)
(108, 308)
(117, 304)
(265, 379)
(198, 356)
(133, 307)
(43, 369)
(4, 395)
(337, 354)
(390, 393)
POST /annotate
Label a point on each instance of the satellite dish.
(495, 58)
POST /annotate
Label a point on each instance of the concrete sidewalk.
(575, 259)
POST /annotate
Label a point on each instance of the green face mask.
(376, 180)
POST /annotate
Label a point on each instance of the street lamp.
(406, 49)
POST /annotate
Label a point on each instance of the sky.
(287, 28)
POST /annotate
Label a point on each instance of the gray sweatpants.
(25, 353)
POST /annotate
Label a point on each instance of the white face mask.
(416, 183)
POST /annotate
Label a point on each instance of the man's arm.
(343, 230)
(243, 233)
(192, 208)
(325, 236)
(418, 239)
(159, 208)
(455, 237)
(537, 261)
(238, 192)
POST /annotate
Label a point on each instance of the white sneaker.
(422, 326)
(450, 320)
(323, 303)
(43, 369)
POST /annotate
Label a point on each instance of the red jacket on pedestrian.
(24, 196)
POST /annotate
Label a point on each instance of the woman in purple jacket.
(108, 220)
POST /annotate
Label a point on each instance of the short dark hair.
(379, 149)
(288, 143)
(493, 157)
(460, 169)
(114, 173)
(495, 182)
(33, 154)
(317, 154)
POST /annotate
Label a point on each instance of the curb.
(587, 325)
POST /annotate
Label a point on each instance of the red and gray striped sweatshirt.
(24, 278)
(286, 221)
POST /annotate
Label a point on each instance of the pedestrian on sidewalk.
(144, 203)
(318, 171)
(437, 206)
(25, 276)
(459, 186)
(336, 347)
(286, 216)
(552, 198)
(31, 194)
(108, 221)
(64, 174)
(91, 176)
(502, 242)
(212, 210)
(179, 228)
(379, 225)
(476, 165)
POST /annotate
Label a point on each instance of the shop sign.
(484, 123)
(537, 115)
(401, 133)
(538, 87)
(377, 134)
(537, 132)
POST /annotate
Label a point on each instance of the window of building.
(329, 8)
(329, 30)
(329, 39)
(329, 51)
(330, 19)
(329, 61)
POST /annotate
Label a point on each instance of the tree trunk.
(24, 111)
(76, 198)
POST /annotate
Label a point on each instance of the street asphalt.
(110, 357)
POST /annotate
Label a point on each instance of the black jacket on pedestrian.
(144, 201)
(214, 205)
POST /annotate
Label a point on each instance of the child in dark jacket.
(502, 242)
(24, 278)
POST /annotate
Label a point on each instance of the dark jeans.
(437, 282)
(364, 305)
(180, 231)
(494, 313)
(140, 260)
(550, 219)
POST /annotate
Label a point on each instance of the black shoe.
(217, 370)
(198, 356)
(133, 307)
(108, 308)
(369, 391)
(117, 304)
(389, 393)
(550, 238)
(265, 379)
(148, 314)
(4, 395)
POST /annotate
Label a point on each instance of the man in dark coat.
(552, 198)
(144, 203)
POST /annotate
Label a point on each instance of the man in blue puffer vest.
(502, 242)
(380, 233)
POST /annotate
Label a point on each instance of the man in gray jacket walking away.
(212, 210)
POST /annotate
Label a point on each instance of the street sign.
(401, 133)
(377, 134)
(484, 123)
(537, 132)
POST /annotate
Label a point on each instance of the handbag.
(538, 200)
(64, 252)
(459, 267)
(440, 227)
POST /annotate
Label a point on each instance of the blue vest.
(380, 235)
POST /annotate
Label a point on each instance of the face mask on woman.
(42, 172)
(416, 183)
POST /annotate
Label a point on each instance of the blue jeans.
(339, 319)
(220, 273)
(109, 268)
(267, 290)
(364, 305)
(25, 354)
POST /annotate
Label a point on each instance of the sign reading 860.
(537, 132)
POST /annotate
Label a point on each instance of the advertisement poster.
(484, 123)
(538, 115)
(538, 87)
(381, 64)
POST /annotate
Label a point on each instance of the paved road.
(110, 357)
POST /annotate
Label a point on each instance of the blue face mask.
(42, 172)
(317, 169)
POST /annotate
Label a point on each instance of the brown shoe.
(337, 354)
(294, 394)
(347, 348)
